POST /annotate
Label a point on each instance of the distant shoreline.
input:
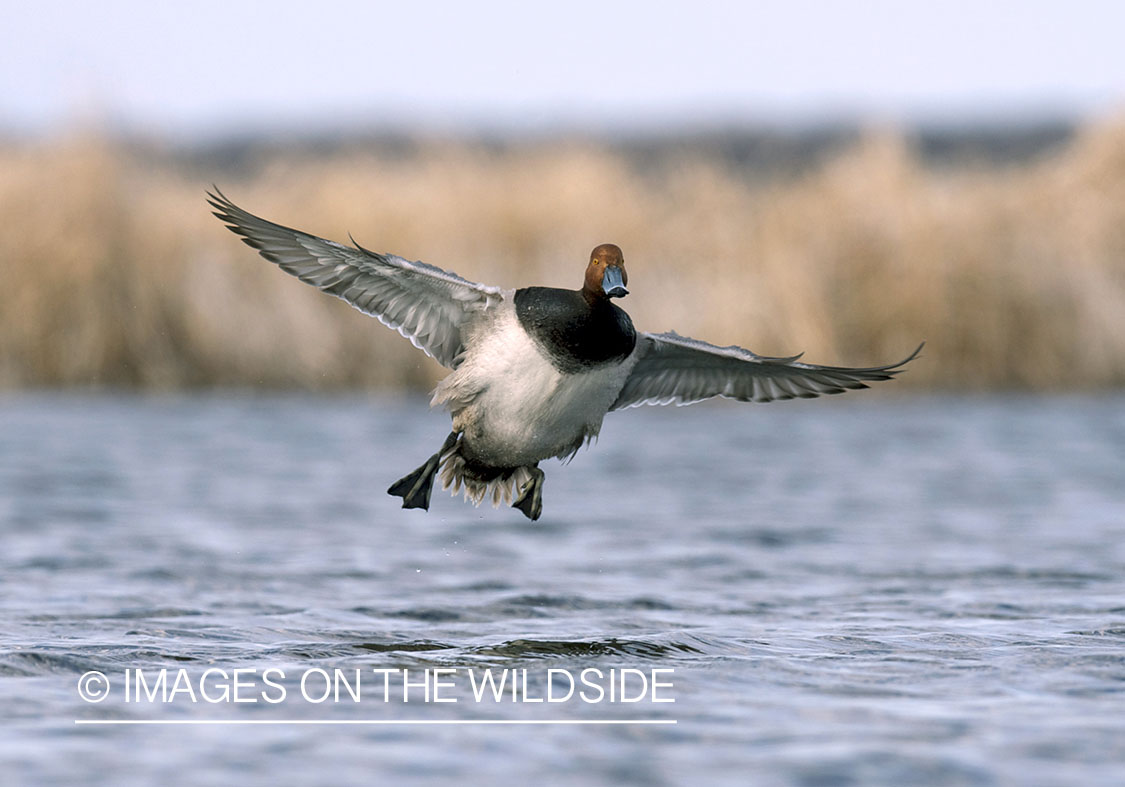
(760, 149)
(1002, 248)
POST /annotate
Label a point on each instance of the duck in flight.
(534, 370)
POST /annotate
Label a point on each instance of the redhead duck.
(536, 369)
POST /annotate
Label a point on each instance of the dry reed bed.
(116, 274)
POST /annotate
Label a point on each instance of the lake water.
(862, 590)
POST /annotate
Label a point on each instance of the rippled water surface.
(853, 591)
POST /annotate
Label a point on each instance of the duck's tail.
(477, 483)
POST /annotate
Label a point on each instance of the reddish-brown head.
(605, 275)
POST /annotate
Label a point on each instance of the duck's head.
(605, 275)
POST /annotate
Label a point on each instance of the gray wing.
(675, 369)
(424, 303)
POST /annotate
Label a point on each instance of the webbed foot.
(530, 500)
(415, 489)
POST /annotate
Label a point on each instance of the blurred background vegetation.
(1005, 251)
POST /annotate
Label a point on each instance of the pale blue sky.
(216, 67)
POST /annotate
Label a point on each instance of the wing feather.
(676, 369)
(424, 303)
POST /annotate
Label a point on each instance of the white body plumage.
(512, 405)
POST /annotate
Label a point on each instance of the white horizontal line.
(375, 721)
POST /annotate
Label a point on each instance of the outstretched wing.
(424, 303)
(676, 369)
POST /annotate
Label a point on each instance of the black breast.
(576, 335)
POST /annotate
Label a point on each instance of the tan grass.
(115, 273)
